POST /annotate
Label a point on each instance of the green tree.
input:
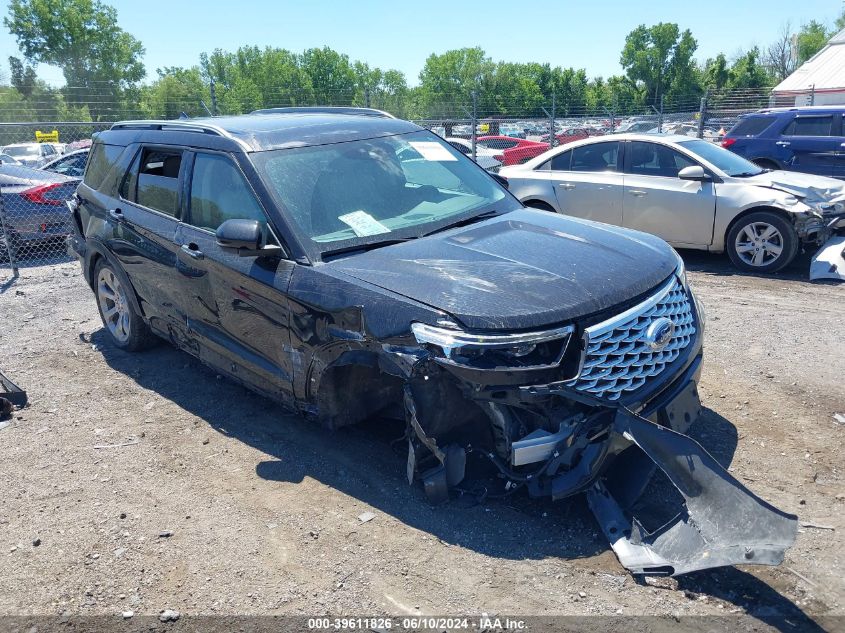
(839, 23)
(23, 77)
(448, 80)
(660, 59)
(811, 39)
(332, 76)
(98, 58)
(716, 74)
(176, 90)
(748, 73)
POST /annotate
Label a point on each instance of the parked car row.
(34, 194)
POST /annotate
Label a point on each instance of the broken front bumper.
(720, 523)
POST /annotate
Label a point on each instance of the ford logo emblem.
(659, 333)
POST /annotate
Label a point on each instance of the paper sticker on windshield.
(363, 224)
(432, 150)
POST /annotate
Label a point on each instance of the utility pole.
(213, 90)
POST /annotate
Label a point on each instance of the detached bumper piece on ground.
(10, 396)
(721, 522)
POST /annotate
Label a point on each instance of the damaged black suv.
(351, 265)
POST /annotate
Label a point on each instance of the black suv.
(351, 265)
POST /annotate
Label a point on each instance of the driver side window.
(652, 159)
(220, 192)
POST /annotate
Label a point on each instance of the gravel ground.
(219, 503)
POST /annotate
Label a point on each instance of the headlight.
(491, 351)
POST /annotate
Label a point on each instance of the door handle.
(192, 250)
(783, 143)
(567, 186)
(842, 145)
(116, 214)
(637, 192)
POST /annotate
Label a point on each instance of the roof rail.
(326, 110)
(177, 125)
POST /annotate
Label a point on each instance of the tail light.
(499, 157)
(727, 142)
(39, 194)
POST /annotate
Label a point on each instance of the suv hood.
(810, 188)
(520, 270)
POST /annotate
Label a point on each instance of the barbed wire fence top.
(42, 158)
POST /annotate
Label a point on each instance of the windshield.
(721, 158)
(377, 190)
(21, 150)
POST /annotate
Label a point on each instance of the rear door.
(144, 221)
(589, 184)
(236, 307)
(812, 143)
(656, 201)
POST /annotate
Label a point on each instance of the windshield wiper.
(748, 174)
(364, 247)
(464, 222)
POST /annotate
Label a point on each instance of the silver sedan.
(690, 192)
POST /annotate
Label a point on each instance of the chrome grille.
(618, 359)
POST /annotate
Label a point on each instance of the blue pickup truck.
(808, 139)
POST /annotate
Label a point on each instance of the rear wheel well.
(92, 266)
(766, 163)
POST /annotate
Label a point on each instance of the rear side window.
(101, 159)
(595, 157)
(809, 126)
(561, 161)
(751, 126)
(153, 180)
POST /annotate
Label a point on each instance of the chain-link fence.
(41, 165)
(42, 162)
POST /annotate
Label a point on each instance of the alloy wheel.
(759, 244)
(114, 305)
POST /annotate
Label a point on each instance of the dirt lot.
(262, 508)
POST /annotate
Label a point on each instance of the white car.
(690, 192)
(31, 154)
(484, 156)
(70, 164)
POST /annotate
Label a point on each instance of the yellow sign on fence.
(47, 137)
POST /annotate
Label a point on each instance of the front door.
(588, 182)
(236, 307)
(656, 201)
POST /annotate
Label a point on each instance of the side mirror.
(245, 237)
(694, 172)
(501, 180)
(239, 234)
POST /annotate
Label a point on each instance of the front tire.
(762, 242)
(126, 328)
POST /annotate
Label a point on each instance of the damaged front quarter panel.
(537, 410)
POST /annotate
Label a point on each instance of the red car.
(573, 134)
(515, 151)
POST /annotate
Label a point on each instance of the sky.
(402, 35)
